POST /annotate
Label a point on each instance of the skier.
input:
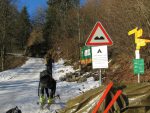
(47, 82)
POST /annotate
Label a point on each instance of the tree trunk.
(2, 58)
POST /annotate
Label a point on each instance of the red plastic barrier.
(119, 92)
(103, 97)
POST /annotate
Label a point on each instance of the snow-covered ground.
(19, 87)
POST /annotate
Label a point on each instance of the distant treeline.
(64, 26)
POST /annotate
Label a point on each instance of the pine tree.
(58, 23)
(25, 27)
(50, 22)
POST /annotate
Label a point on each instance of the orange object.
(147, 41)
(103, 97)
(119, 92)
(86, 61)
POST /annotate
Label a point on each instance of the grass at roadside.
(13, 61)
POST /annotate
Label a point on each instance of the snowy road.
(19, 87)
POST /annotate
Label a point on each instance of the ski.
(47, 105)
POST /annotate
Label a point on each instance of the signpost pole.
(101, 39)
(139, 64)
(137, 56)
(138, 78)
(100, 77)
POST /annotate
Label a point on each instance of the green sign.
(86, 52)
(138, 66)
(86, 55)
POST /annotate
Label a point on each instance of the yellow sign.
(138, 33)
(132, 31)
(139, 42)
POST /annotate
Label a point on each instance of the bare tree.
(4, 16)
(7, 25)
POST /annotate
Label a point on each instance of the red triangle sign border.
(98, 25)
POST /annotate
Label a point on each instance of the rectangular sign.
(138, 66)
(86, 55)
(99, 57)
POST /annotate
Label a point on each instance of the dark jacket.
(49, 65)
(44, 76)
(46, 81)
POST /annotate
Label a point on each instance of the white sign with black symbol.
(99, 57)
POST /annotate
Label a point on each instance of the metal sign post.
(140, 42)
(100, 77)
(138, 78)
(99, 38)
(137, 56)
(100, 59)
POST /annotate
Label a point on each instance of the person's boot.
(50, 100)
(42, 100)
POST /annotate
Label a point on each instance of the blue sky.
(32, 5)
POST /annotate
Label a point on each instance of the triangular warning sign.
(98, 36)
